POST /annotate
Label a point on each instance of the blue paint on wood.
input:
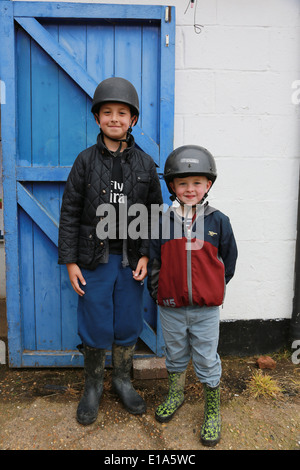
(76, 10)
(69, 64)
(99, 64)
(150, 104)
(58, 53)
(167, 85)
(23, 107)
(38, 213)
(148, 336)
(44, 108)
(58, 65)
(8, 134)
(72, 100)
(26, 267)
(43, 173)
(47, 293)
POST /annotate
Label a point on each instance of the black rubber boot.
(94, 362)
(121, 384)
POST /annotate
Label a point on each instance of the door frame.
(14, 193)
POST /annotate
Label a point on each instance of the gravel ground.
(38, 409)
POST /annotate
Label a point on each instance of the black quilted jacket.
(87, 187)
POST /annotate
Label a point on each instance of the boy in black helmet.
(106, 272)
(188, 271)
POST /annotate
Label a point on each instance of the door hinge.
(168, 14)
(167, 40)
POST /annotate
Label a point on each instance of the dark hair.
(132, 110)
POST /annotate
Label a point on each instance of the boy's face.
(190, 190)
(115, 119)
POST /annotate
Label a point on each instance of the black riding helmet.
(189, 160)
(116, 89)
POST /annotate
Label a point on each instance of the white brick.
(257, 180)
(257, 93)
(264, 261)
(241, 301)
(261, 221)
(257, 300)
(227, 48)
(190, 83)
(244, 136)
(179, 49)
(178, 131)
(206, 12)
(258, 12)
(284, 50)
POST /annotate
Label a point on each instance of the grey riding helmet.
(189, 160)
(116, 89)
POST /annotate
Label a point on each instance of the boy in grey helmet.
(187, 275)
(106, 272)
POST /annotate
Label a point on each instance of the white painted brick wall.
(233, 94)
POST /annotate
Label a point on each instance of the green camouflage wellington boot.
(211, 428)
(175, 397)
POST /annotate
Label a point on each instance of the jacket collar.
(205, 210)
(104, 150)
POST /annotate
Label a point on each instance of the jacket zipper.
(189, 258)
(189, 267)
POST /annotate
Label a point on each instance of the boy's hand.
(75, 274)
(141, 270)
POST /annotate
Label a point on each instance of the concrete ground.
(38, 412)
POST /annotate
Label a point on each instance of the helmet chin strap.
(175, 198)
(193, 210)
(128, 133)
(118, 140)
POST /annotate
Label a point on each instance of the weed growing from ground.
(263, 385)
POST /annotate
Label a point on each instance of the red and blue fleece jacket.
(191, 265)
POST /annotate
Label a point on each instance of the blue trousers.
(110, 311)
(192, 333)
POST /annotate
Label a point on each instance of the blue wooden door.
(53, 55)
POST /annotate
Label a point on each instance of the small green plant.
(262, 385)
(282, 354)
